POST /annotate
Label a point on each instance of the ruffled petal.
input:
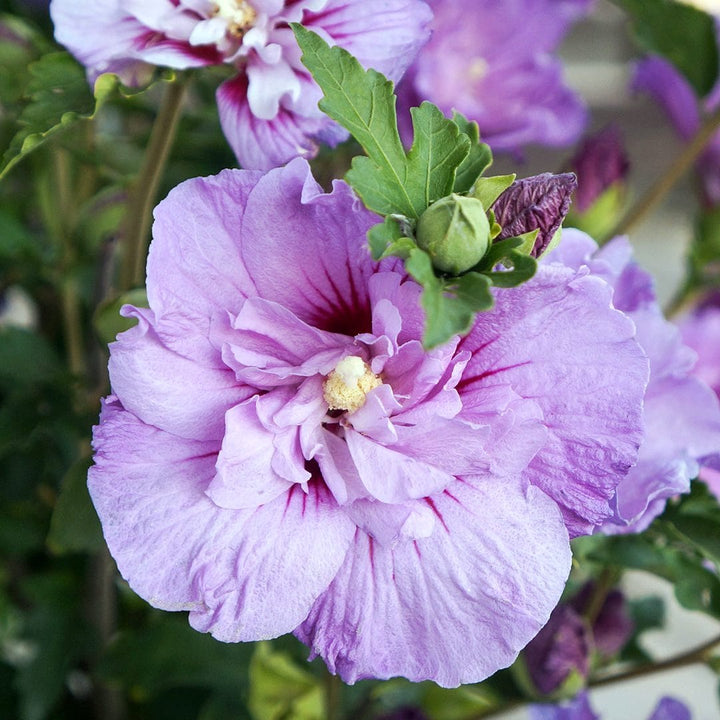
(271, 346)
(163, 388)
(496, 562)
(102, 36)
(179, 550)
(148, 488)
(245, 477)
(262, 578)
(264, 144)
(314, 258)
(557, 340)
(195, 266)
(382, 34)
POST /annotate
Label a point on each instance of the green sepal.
(450, 304)
(478, 159)
(488, 189)
(512, 253)
(602, 216)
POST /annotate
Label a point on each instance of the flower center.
(240, 15)
(477, 69)
(347, 385)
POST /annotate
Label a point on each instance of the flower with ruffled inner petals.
(268, 111)
(281, 454)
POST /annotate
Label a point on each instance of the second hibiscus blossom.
(268, 110)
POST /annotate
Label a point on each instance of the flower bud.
(455, 232)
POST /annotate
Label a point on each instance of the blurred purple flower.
(682, 415)
(701, 331)
(493, 61)
(268, 110)
(580, 709)
(599, 163)
(281, 454)
(564, 646)
(669, 88)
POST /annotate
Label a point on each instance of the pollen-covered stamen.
(240, 15)
(346, 387)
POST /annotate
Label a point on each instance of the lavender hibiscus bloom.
(268, 111)
(580, 709)
(682, 415)
(492, 61)
(281, 454)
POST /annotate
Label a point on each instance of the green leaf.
(450, 305)
(280, 690)
(75, 526)
(388, 181)
(679, 32)
(488, 189)
(383, 235)
(108, 322)
(478, 159)
(58, 96)
(25, 358)
(170, 654)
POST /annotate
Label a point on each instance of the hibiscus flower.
(281, 454)
(268, 110)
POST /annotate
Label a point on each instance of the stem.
(333, 688)
(144, 190)
(664, 184)
(62, 226)
(697, 655)
(109, 703)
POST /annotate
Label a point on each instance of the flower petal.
(166, 389)
(496, 562)
(263, 144)
(179, 550)
(314, 258)
(557, 340)
(195, 265)
(261, 581)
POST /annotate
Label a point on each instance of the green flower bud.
(455, 232)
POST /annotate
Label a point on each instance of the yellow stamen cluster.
(240, 15)
(346, 387)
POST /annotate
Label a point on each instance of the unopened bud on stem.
(455, 232)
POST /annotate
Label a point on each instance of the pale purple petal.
(102, 35)
(172, 392)
(181, 551)
(569, 368)
(263, 144)
(261, 579)
(271, 346)
(670, 709)
(493, 62)
(195, 266)
(148, 488)
(408, 609)
(245, 477)
(323, 281)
